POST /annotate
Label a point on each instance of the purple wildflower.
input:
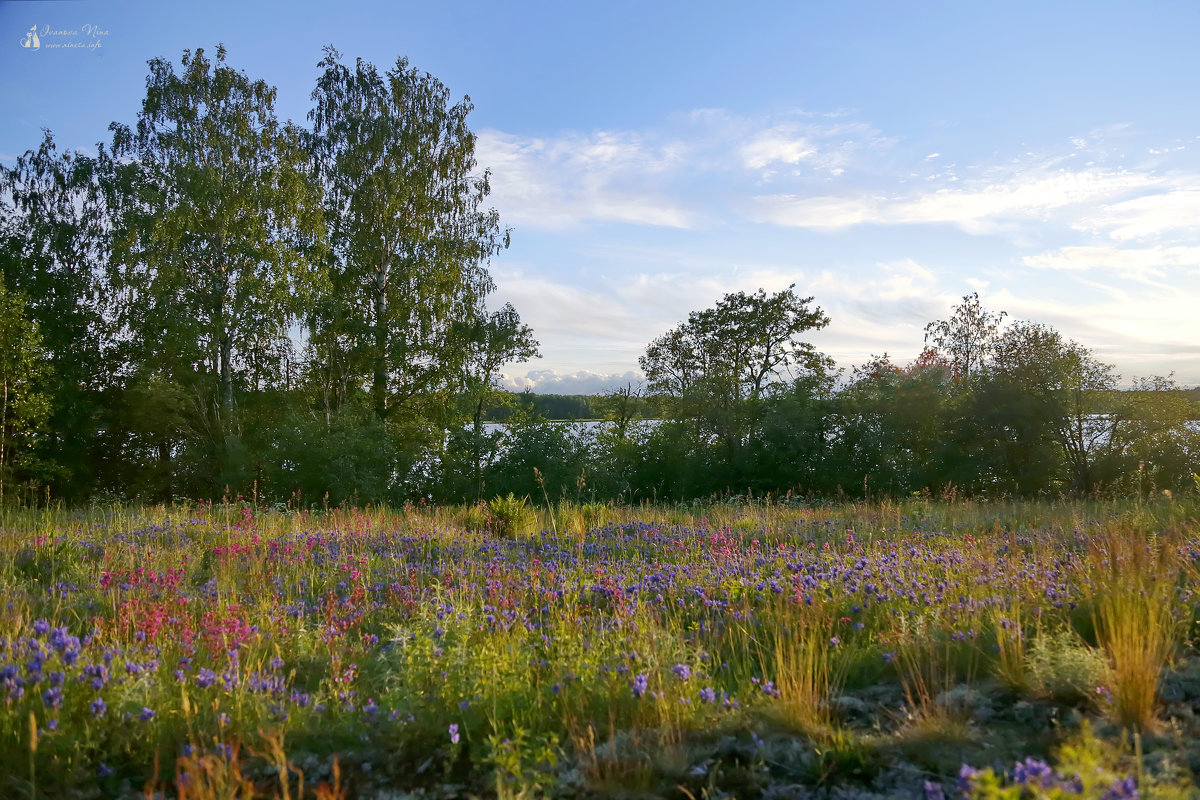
(966, 774)
(1034, 772)
(52, 698)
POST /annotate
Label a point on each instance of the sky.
(885, 158)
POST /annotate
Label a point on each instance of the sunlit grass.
(627, 647)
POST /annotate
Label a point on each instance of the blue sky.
(887, 158)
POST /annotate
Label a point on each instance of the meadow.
(747, 649)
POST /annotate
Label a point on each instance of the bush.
(1062, 667)
(510, 516)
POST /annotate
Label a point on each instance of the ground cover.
(915, 649)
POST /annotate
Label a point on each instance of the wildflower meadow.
(900, 649)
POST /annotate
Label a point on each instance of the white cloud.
(1129, 262)
(1092, 229)
(1145, 330)
(558, 183)
(548, 381)
(828, 148)
(822, 213)
(975, 209)
(1150, 215)
(778, 145)
(654, 178)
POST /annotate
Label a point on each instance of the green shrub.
(474, 518)
(1060, 665)
(510, 516)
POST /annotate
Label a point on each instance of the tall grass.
(801, 657)
(1134, 592)
(613, 644)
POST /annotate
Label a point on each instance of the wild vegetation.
(747, 650)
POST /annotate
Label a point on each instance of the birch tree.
(409, 234)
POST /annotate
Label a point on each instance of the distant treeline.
(563, 407)
(575, 407)
(219, 303)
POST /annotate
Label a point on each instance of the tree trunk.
(380, 378)
(226, 370)
(164, 460)
(477, 448)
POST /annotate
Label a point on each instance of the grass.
(508, 650)
(1138, 621)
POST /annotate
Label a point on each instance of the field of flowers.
(917, 650)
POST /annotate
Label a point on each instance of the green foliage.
(221, 301)
(1061, 666)
(510, 516)
(541, 459)
(410, 240)
(559, 407)
(894, 429)
(475, 518)
(967, 338)
(55, 241)
(1086, 767)
(24, 403)
(1154, 443)
(345, 460)
(736, 350)
(523, 764)
(213, 258)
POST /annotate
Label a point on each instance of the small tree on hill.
(966, 339)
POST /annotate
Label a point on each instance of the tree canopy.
(740, 349)
(219, 302)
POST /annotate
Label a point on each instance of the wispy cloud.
(679, 177)
(1105, 234)
(549, 381)
(1133, 263)
(560, 182)
(825, 147)
(978, 208)
(1172, 211)
(777, 146)
(1144, 329)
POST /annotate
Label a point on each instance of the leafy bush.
(1060, 665)
(510, 516)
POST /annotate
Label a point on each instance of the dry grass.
(803, 663)
(1134, 580)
